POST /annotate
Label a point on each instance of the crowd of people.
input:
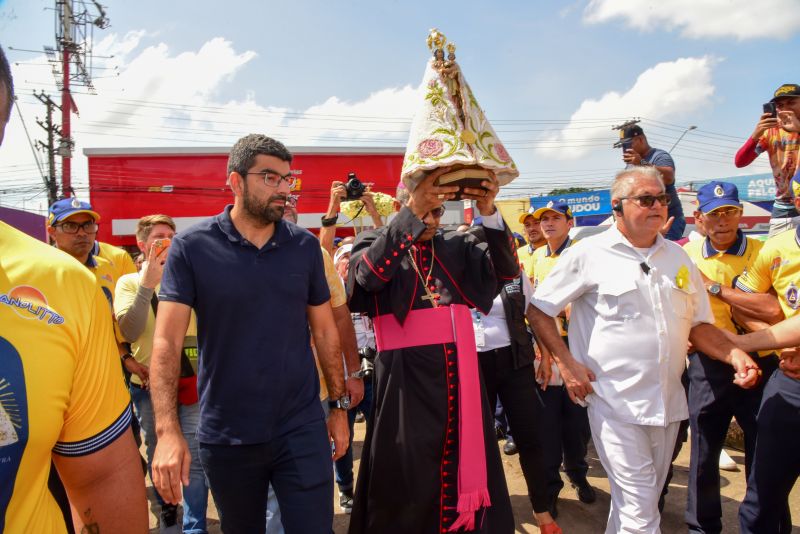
(240, 352)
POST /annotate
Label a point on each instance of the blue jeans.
(195, 495)
(343, 467)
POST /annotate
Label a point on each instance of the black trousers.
(713, 401)
(297, 464)
(565, 436)
(519, 394)
(776, 464)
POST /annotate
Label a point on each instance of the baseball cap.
(558, 207)
(344, 249)
(716, 194)
(525, 214)
(787, 89)
(631, 131)
(66, 207)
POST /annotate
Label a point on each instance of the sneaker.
(169, 518)
(726, 463)
(346, 501)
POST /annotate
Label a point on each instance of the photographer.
(354, 189)
(782, 144)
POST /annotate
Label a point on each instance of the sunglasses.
(723, 213)
(90, 227)
(437, 212)
(647, 201)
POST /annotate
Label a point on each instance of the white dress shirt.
(495, 326)
(628, 326)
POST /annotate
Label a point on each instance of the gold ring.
(440, 197)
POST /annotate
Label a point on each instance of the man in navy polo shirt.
(256, 284)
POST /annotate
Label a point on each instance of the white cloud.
(164, 98)
(669, 90)
(741, 19)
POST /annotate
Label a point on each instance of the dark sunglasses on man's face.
(437, 212)
(647, 201)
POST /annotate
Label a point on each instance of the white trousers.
(636, 459)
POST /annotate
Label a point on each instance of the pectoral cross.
(433, 297)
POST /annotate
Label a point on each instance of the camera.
(354, 187)
(367, 360)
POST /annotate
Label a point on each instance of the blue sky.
(552, 77)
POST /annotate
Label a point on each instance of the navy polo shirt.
(256, 373)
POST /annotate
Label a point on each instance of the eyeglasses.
(90, 227)
(723, 213)
(437, 212)
(647, 201)
(273, 179)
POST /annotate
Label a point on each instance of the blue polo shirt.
(256, 373)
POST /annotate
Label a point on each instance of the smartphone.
(769, 107)
(626, 144)
(161, 245)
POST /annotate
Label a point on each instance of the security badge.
(792, 296)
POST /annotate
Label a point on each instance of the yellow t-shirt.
(338, 298)
(777, 266)
(121, 261)
(142, 348)
(543, 262)
(723, 267)
(61, 388)
(525, 255)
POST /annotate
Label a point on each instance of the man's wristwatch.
(342, 403)
(715, 289)
(126, 356)
(356, 374)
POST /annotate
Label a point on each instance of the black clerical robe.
(407, 481)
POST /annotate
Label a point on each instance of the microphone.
(645, 268)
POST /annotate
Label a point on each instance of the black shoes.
(346, 501)
(586, 493)
(510, 448)
(169, 515)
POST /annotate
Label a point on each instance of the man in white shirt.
(637, 300)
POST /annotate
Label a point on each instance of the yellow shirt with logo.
(142, 348)
(777, 266)
(722, 267)
(121, 262)
(542, 263)
(61, 388)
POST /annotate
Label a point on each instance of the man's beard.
(262, 212)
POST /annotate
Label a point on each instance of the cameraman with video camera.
(353, 189)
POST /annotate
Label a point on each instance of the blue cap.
(558, 207)
(795, 185)
(66, 207)
(715, 195)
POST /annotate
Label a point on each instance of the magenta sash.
(450, 324)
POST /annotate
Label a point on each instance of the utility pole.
(71, 62)
(65, 148)
(49, 147)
